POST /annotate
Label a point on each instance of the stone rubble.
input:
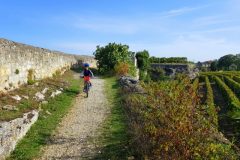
(39, 96)
(44, 91)
(11, 132)
(130, 85)
(10, 108)
(54, 94)
(25, 97)
(17, 98)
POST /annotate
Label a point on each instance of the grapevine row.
(233, 85)
(228, 93)
(236, 78)
(212, 113)
(195, 84)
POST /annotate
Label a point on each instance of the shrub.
(157, 74)
(166, 124)
(121, 69)
(17, 71)
(31, 77)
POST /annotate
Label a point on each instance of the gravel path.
(76, 134)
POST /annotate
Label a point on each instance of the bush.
(166, 124)
(31, 77)
(121, 69)
(17, 71)
(157, 74)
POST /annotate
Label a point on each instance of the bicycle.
(86, 88)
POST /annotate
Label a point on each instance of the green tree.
(214, 65)
(225, 61)
(111, 54)
(143, 60)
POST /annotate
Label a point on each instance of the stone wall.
(19, 61)
(11, 132)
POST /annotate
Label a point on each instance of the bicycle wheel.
(87, 89)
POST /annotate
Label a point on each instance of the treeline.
(183, 60)
(228, 62)
(118, 59)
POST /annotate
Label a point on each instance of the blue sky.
(199, 30)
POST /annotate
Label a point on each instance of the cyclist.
(87, 73)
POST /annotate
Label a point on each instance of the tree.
(143, 60)
(225, 61)
(111, 54)
(233, 67)
(214, 65)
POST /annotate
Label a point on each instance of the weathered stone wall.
(11, 132)
(18, 60)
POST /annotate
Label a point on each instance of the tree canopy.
(111, 54)
(142, 59)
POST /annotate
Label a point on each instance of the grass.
(29, 147)
(26, 105)
(114, 136)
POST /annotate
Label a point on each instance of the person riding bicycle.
(87, 73)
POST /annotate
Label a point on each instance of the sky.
(199, 30)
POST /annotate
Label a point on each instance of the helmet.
(86, 65)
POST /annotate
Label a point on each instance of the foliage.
(229, 62)
(17, 71)
(167, 124)
(157, 74)
(211, 110)
(225, 61)
(235, 86)
(143, 75)
(236, 78)
(168, 60)
(231, 98)
(214, 65)
(121, 68)
(143, 60)
(109, 55)
(195, 84)
(31, 77)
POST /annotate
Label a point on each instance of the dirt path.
(74, 138)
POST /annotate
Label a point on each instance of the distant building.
(204, 65)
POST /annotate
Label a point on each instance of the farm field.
(220, 93)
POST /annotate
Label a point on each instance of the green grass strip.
(114, 135)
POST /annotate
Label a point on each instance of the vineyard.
(220, 94)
